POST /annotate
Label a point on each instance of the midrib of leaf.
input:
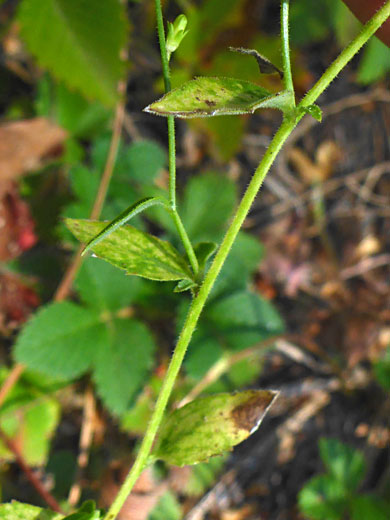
(81, 48)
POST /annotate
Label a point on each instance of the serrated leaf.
(123, 218)
(208, 202)
(210, 426)
(18, 511)
(344, 463)
(314, 111)
(60, 340)
(243, 318)
(104, 287)
(207, 96)
(265, 65)
(79, 42)
(323, 498)
(123, 363)
(138, 253)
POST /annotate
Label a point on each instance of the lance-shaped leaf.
(138, 253)
(265, 66)
(124, 217)
(203, 97)
(211, 425)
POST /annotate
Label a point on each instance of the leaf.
(375, 62)
(312, 110)
(369, 507)
(124, 217)
(206, 96)
(60, 340)
(209, 201)
(242, 318)
(79, 42)
(382, 370)
(211, 425)
(323, 498)
(123, 363)
(18, 511)
(29, 417)
(201, 356)
(104, 287)
(265, 66)
(167, 508)
(203, 251)
(185, 285)
(343, 462)
(136, 252)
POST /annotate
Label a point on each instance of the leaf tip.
(249, 414)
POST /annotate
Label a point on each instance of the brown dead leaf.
(25, 144)
(16, 224)
(328, 155)
(17, 301)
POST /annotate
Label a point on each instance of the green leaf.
(185, 285)
(136, 252)
(203, 475)
(344, 463)
(208, 202)
(382, 370)
(242, 262)
(79, 42)
(104, 287)
(87, 511)
(123, 363)
(204, 96)
(203, 251)
(242, 318)
(124, 217)
(323, 498)
(375, 62)
(211, 425)
(60, 340)
(201, 357)
(369, 507)
(30, 417)
(18, 511)
(167, 508)
(313, 110)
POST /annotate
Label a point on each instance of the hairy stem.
(199, 301)
(284, 30)
(172, 146)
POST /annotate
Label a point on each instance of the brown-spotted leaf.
(136, 252)
(211, 425)
(205, 97)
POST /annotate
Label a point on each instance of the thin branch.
(86, 436)
(30, 475)
(9, 383)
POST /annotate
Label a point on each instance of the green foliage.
(30, 415)
(18, 511)
(375, 62)
(167, 508)
(208, 202)
(138, 253)
(60, 340)
(210, 425)
(206, 96)
(331, 495)
(67, 340)
(78, 42)
(382, 370)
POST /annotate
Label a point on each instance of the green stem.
(347, 54)
(172, 145)
(199, 301)
(284, 17)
